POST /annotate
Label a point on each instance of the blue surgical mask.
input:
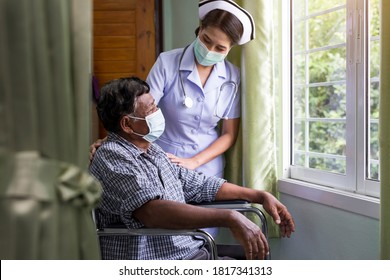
(156, 124)
(204, 56)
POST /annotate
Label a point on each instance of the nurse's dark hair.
(227, 22)
(117, 99)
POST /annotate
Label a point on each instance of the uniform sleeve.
(156, 79)
(235, 111)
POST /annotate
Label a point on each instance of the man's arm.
(274, 207)
(175, 215)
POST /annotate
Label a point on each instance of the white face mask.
(156, 124)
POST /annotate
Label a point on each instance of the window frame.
(354, 181)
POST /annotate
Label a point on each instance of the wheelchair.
(241, 206)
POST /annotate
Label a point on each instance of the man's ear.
(125, 124)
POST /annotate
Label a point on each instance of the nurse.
(197, 88)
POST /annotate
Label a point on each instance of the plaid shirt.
(130, 178)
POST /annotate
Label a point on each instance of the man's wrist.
(261, 196)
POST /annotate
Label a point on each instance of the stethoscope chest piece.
(188, 102)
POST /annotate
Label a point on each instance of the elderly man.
(143, 188)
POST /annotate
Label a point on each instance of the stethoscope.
(188, 102)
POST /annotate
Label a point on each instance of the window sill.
(359, 204)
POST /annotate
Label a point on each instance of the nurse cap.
(246, 19)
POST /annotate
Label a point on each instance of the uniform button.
(194, 146)
(200, 99)
(197, 118)
(193, 131)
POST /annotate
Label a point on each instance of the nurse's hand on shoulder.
(188, 163)
(94, 147)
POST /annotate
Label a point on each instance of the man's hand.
(250, 237)
(175, 215)
(279, 213)
(94, 147)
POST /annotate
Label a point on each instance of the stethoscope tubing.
(188, 102)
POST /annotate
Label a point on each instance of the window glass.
(327, 29)
(327, 65)
(315, 6)
(319, 77)
(328, 101)
(373, 92)
(335, 92)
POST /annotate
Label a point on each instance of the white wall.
(327, 233)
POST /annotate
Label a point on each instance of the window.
(335, 93)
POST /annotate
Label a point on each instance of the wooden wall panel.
(113, 42)
(114, 29)
(104, 78)
(107, 17)
(114, 66)
(113, 5)
(146, 37)
(124, 39)
(114, 54)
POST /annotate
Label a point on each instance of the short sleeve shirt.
(130, 178)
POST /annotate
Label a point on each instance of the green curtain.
(46, 193)
(254, 153)
(384, 138)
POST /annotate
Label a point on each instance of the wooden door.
(124, 40)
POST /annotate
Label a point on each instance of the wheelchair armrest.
(242, 206)
(222, 202)
(120, 229)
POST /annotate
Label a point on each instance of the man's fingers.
(261, 249)
(275, 215)
(266, 246)
(257, 247)
(287, 227)
(248, 251)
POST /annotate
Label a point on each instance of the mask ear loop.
(188, 102)
(141, 119)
